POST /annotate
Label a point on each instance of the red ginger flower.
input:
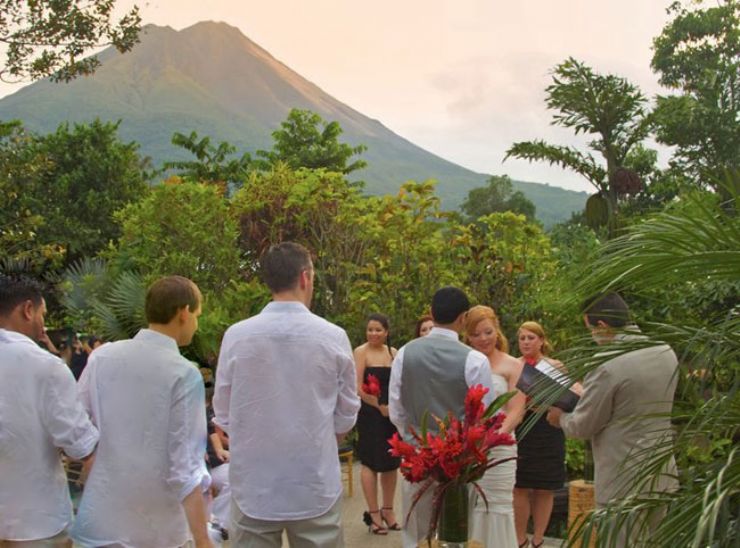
(457, 453)
(372, 386)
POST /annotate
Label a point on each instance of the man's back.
(433, 377)
(148, 403)
(285, 387)
(642, 383)
(39, 413)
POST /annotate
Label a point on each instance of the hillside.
(212, 79)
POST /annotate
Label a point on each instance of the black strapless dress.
(374, 429)
(541, 461)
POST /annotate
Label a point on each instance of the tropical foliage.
(615, 113)
(76, 205)
(698, 55)
(54, 38)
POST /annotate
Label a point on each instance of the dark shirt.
(77, 363)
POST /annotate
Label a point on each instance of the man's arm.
(186, 474)
(222, 391)
(348, 402)
(594, 409)
(478, 371)
(195, 512)
(64, 416)
(396, 412)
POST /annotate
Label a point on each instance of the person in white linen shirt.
(39, 414)
(432, 374)
(285, 393)
(145, 489)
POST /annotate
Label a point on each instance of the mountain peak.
(212, 79)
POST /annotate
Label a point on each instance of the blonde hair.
(537, 329)
(479, 313)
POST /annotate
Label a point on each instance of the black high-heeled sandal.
(389, 526)
(373, 527)
(524, 543)
(534, 545)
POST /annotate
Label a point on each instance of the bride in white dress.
(494, 526)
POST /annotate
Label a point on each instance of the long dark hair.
(383, 320)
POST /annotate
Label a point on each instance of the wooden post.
(580, 502)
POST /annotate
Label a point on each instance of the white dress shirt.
(39, 414)
(477, 371)
(149, 404)
(285, 386)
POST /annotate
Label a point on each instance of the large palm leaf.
(684, 251)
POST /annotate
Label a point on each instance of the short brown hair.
(168, 295)
(282, 265)
(609, 308)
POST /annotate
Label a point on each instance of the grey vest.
(433, 379)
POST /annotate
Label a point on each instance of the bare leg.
(521, 513)
(541, 510)
(388, 483)
(369, 482)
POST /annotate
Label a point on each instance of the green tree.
(307, 140)
(20, 217)
(86, 175)
(612, 110)
(407, 258)
(179, 228)
(698, 54)
(503, 259)
(212, 163)
(497, 197)
(44, 38)
(316, 208)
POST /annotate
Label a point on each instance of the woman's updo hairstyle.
(479, 313)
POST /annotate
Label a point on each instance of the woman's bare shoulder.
(510, 364)
(555, 363)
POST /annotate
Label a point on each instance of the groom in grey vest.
(432, 374)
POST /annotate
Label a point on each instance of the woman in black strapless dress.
(374, 427)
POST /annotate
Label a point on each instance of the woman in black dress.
(541, 463)
(374, 427)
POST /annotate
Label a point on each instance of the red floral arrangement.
(372, 386)
(458, 454)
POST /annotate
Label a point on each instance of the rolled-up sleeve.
(222, 392)
(478, 371)
(594, 410)
(64, 417)
(396, 411)
(187, 437)
(348, 402)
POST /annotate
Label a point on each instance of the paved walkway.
(355, 531)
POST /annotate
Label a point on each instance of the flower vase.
(452, 529)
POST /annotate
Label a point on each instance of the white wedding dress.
(494, 527)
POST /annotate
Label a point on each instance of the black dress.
(374, 429)
(541, 460)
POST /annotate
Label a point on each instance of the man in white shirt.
(146, 486)
(39, 414)
(285, 393)
(432, 375)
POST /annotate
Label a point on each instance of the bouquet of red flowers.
(458, 454)
(372, 386)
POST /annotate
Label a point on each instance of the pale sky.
(463, 79)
